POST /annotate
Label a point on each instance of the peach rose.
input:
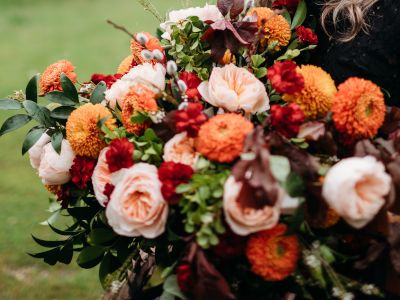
(36, 151)
(137, 207)
(101, 176)
(180, 149)
(244, 220)
(355, 188)
(153, 76)
(54, 168)
(234, 88)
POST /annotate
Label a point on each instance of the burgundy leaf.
(237, 8)
(225, 6)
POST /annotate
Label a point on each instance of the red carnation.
(190, 119)
(65, 195)
(108, 79)
(171, 175)
(119, 155)
(184, 276)
(82, 171)
(291, 5)
(287, 119)
(284, 78)
(108, 190)
(192, 82)
(306, 35)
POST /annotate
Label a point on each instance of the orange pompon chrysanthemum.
(358, 109)
(316, 98)
(139, 99)
(53, 189)
(125, 65)
(82, 131)
(152, 44)
(222, 137)
(50, 79)
(274, 27)
(272, 254)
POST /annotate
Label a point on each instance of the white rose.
(137, 207)
(233, 88)
(355, 188)
(206, 13)
(36, 151)
(101, 176)
(54, 168)
(153, 76)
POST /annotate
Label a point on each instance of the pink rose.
(36, 151)
(245, 220)
(180, 149)
(54, 168)
(234, 88)
(101, 176)
(137, 207)
(355, 188)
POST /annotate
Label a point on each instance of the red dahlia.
(82, 171)
(120, 155)
(184, 277)
(192, 82)
(306, 35)
(108, 190)
(284, 78)
(171, 175)
(289, 4)
(287, 119)
(190, 119)
(108, 79)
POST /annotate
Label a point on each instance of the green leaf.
(100, 236)
(68, 232)
(139, 118)
(257, 60)
(280, 167)
(31, 107)
(69, 88)
(31, 138)
(48, 244)
(294, 185)
(38, 113)
(287, 16)
(83, 213)
(6, 104)
(62, 112)
(14, 122)
(66, 253)
(171, 286)
(150, 135)
(56, 141)
(50, 257)
(98, 93)
(300, 15)
(90, 257)
(31, 89)
(60, 98)
(261, 72)
(109, 265)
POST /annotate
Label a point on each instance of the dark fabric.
(374, 56)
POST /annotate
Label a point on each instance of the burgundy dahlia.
(284, 78)
(82, 171)
(120, 155)
(190, 119)
(306, 35)
(287, 119)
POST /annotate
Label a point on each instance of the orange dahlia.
(125, 65)
(139, 99)
(82, 131)
(274, 27)
(316, 98)
(222, 137)
(272, 254)
(358, 109)
(50, 79)
(152, 44)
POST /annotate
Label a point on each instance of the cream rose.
(206, 13)
(36, 151)
(54, 168)
(137, 207)
(244, 220)
(234, 88)
(355, 188)
(151, 75)
(180, 149)
(101, 176)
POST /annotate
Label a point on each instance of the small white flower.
(172, 68)
(312, 261)
(157, 117)
(115, 286)
(348, 296)
(368, 289)
(336, 292)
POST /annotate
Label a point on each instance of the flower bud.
(142, 38)
(157, 54)
(147, 55)
(172, 68)
(182, 86)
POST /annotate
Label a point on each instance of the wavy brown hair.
(353, 12)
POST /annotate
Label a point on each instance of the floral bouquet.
(217, 164)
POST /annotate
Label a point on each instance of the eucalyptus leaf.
(48, 244)
(31, 107)
(56, 141)
(90, 257)
(31, 89)
(14, 122)
(300, 15)
(69, 88)
(62, 112)
(8, 104)
(100, 236)
(98, 93)
(171, 286)
(280, 167)
(60, 98)
(31, 138)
